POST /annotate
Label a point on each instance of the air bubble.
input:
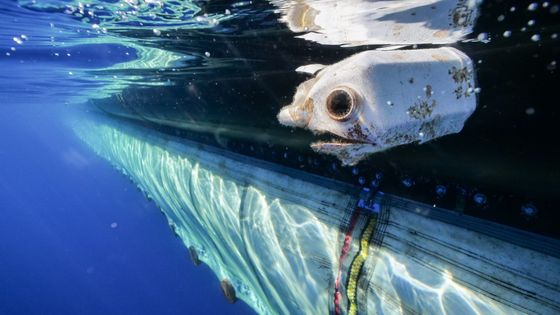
(536, 37)
(529, 210)
(407, 182)
(207, 54)
(482, 36)
(361, 180)
(156, 32)
(479, 198)
(530, 111)
(501, 17)
(551, 66)
(507, 34)
(533, 6)
(441, 190)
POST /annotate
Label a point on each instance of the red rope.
(343, 253)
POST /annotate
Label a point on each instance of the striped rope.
(357, 266)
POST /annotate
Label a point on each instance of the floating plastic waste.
(376, 100)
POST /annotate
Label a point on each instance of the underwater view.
(279, 157)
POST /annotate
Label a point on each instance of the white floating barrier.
(288, 242)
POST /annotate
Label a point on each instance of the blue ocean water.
(114, 112)
(75, 236)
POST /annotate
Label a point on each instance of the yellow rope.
(357, 265)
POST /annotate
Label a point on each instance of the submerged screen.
(307, 157)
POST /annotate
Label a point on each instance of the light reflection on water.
(118, 39)
(361, 22)
(105, 16)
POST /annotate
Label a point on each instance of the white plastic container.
(376, 100)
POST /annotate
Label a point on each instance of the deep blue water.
(75, 236)
(59, 253)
